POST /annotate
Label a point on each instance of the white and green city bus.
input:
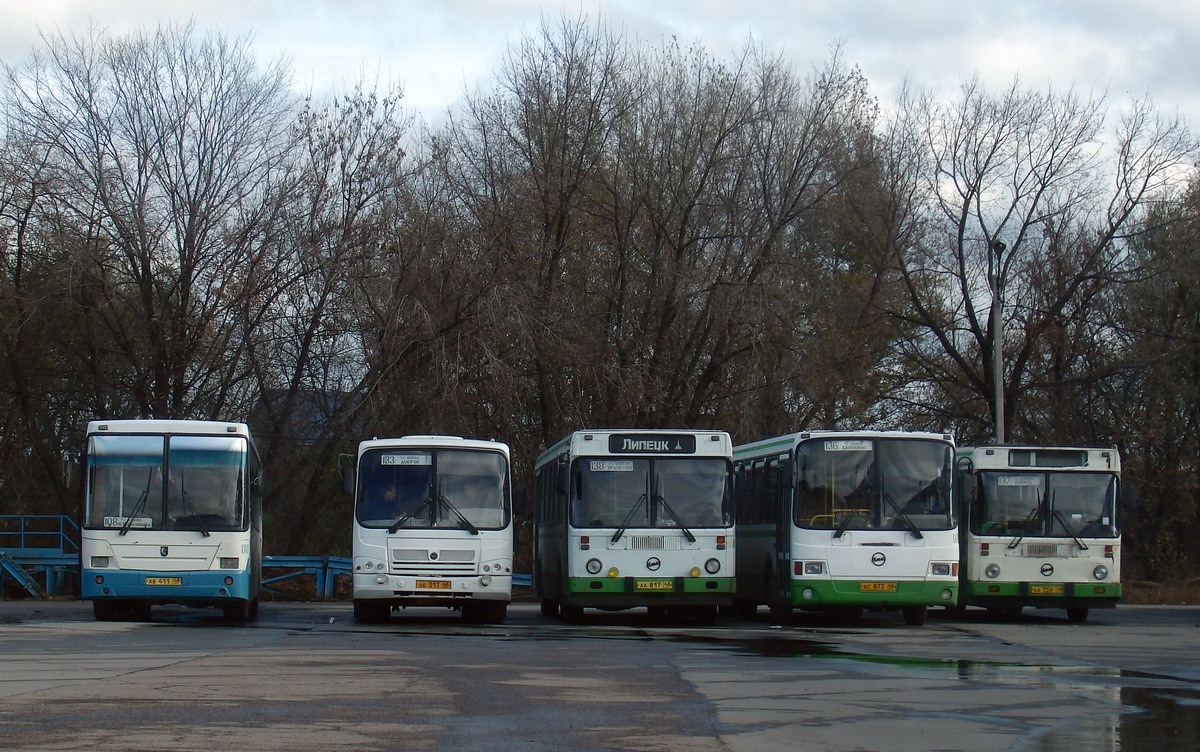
(843, 521)
(172, 514)
(626, 519)
(1040, 528)
(433, 526)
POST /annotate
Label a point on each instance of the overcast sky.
(434, 49)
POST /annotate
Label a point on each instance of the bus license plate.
(654, 585)
(1045, 589)
(877, 587)
(433, 584)
(164, 581)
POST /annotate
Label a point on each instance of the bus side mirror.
(562, 477)
(347, 479)
(68, 468)
(1128, 498)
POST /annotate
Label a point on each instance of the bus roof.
(158, 426)
(1020, 457)
(433, 441)
(787, 442)
(641, 442)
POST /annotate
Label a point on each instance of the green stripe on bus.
(851, 593)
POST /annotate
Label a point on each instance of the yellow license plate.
(877, 587)
(433, 584)
(1045, 589)
(164, 580)
(654, 585)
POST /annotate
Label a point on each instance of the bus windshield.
(432, 488)
(1044, 504)
(663, 492)
(858, 484)
(135, 482)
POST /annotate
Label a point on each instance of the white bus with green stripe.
(628, 518)
(1040, 528)
(843, 521)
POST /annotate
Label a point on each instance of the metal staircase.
(33, 544)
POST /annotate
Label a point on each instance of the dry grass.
(1181, 593)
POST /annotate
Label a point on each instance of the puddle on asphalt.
(1146, 715)
(1164, 720)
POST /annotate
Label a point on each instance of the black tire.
(914, 616)
(371, 611)
(549, 607)
(105, 610)
(238, 611)
(1077, 615)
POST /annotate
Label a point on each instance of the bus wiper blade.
(845, 523)
(912, 526)
(187, 504)
(1070, 531)
(678, 523)
(625, 523)
(461, 517)
(137, 508)
(408, 516)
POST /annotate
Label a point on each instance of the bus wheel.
(572, 614)
(1077, 615)
(371, 611)
(239, 611)
(484, 612)
(104, 610)
(743, 609)
(549, 607)
(914, 616)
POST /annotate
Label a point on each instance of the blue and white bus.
(1040, 528)
(433, 526)
(625, 519)
(172, 514)
(843, 521)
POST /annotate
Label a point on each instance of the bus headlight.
(594, 566)
(941, 570)
(1100, 572)
(814, 567)
(712, 566)
(229, 562)
(99, 562)
(992, 571)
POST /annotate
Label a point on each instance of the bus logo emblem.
(1047, 570)
(878, 559)
(653, 563)
(162, 551)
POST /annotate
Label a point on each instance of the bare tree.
(164, 147)
(1012, 193)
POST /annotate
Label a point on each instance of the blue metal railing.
(46, 543)
(325, 570)
(56, 533)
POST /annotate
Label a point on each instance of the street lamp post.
(998, 247)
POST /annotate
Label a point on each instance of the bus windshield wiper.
(625, 523)
(912, 526)
(137, 508)
(678, 523)
(845, 523)
(189, 506)
(1035, 515)
(461, 517)
(408, 516)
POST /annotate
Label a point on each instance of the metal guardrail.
(40, 533)
(325, 570)
(33, 543)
